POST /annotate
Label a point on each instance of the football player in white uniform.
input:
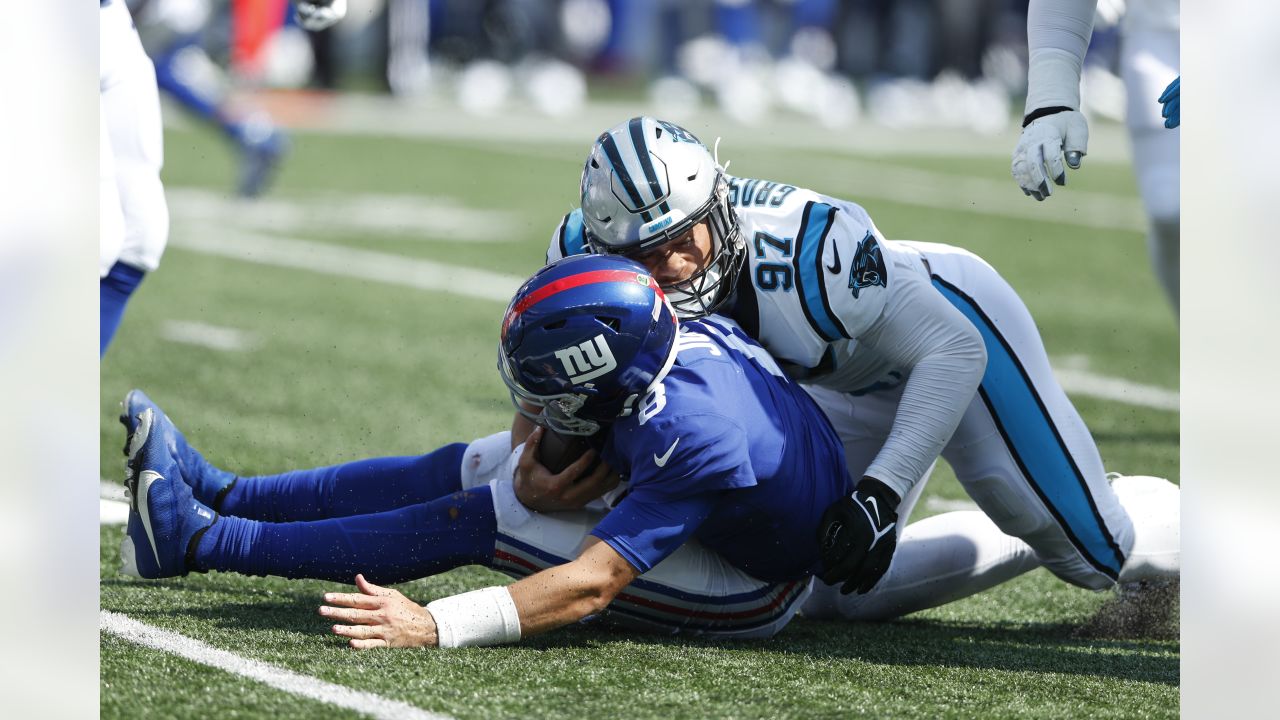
(1058, 33)
(912, 349)
(133, 215)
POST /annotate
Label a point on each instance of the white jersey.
(842, 307)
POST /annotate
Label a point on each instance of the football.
(558, 451)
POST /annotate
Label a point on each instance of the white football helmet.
(648, 181)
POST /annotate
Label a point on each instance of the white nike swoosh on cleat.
(662, 461)
(145, 481)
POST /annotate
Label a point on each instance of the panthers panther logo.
(867, 269)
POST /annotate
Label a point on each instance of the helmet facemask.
(708, 288)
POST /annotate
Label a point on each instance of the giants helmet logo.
(587, 360)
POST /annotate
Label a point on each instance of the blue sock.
(354, 488)
(113, 294)
(388, 547)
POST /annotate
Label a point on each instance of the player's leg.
(171, 533)
(1149, 60)
(116, 282)
(939, 560)
(136, 225)
(355, 488)
(1021, 450)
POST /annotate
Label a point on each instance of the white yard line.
(350, 262)
(365, 703)
(204, 335)
(470, 282)
(1083, 382)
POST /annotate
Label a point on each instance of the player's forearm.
(557, 597)
(1058, 33)
(934, 399)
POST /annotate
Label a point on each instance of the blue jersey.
(728, 450)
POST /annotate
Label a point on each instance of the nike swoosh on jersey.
(661, 461)
(145, 481)
(835, 269)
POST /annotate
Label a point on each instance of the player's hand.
(1171, 100)
(1045, 143)
(316, 15)
(537, 488)
(379, 617)
(858, 536)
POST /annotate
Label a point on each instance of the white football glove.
(316, 15)
(1040, 151)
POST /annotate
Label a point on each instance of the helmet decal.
(587, 360)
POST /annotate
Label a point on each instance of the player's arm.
(382, 617)
(646, 530)
(919, 329)
(1058, 33)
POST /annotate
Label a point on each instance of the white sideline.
(365, 703)
(470, 282)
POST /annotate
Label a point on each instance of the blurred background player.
(1149, 62)
(172, 33)
(133, 215)
(1055, 130)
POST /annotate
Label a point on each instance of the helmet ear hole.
(556, 325)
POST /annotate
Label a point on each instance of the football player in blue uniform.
(912, 349)
(730, 467)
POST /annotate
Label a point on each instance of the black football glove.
(858, 535)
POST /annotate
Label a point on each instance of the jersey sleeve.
(1058, 33)
(569, 238)
(687, 455)
(646, 527)
(842, 277)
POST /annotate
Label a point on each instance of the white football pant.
(133, 216)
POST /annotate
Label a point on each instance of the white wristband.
(476, 618)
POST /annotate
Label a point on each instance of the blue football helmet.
(583, 340)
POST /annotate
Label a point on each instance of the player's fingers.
(369, 644)
(529, 456)
(350, 615)
(1051, 157)
(355, 600)
(846, 568)
(369, 588)
(876, 567)
(359, 632)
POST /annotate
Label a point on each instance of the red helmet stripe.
(568, 283)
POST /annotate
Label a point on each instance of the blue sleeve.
(645, 528)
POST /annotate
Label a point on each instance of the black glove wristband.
(1044, 112)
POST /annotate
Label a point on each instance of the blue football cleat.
(259, 158)
(208, 483)
(165, 521)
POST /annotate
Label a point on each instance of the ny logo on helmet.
(587, 360)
